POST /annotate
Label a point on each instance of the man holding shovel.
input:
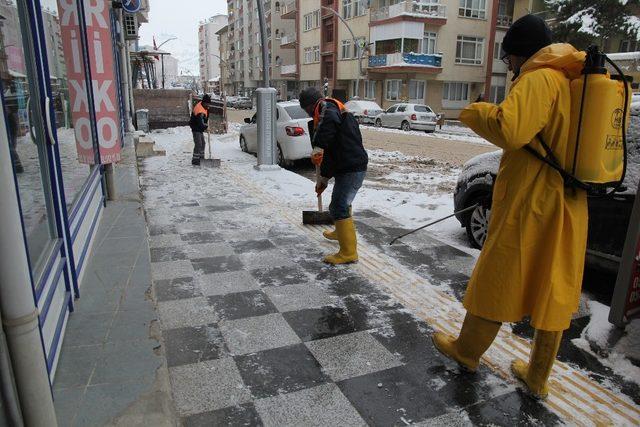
(338, 149)
(198, 123)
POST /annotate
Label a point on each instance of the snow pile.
(448, 132)
(598, 337)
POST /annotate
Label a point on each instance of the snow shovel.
(318, 217)
(470, 208)
(210, 162)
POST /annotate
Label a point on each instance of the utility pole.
(266, 106)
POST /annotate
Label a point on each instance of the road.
(446, 151)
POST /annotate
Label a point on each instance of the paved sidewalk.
(258, 331)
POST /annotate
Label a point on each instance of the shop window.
(392, 89)
(370, 89)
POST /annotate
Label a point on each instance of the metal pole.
(125, 71)
(265, 46)
(162, 57)
(353, 37)
(19, 312)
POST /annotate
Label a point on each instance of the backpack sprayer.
(598, 128)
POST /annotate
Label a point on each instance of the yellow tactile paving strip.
(573, 396)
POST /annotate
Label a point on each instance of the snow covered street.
(402, 192)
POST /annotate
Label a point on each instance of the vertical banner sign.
(103, 75)
(79, 101)
(103, 79)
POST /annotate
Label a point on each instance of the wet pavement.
(257, 331)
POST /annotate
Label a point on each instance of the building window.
(360, 7)
(416, 90)
(345, 52)
(455, 94)
(311, 21)
(497, 94)
(316, 54)
(497, 50)
(369, 89)
(469, 50)
(473, 9)
(277, 6)
(347, 9)
(392, 89)
(629, 46)
(277, 34)
(308, 55)
(429, 43)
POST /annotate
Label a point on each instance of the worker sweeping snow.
(337, 134)
(533, 259)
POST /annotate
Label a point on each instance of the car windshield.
(296, 112)
(422, 109)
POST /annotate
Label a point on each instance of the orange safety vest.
(316, 110)
(199, 109)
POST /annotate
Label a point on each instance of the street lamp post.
(355, 43)
(162, 56)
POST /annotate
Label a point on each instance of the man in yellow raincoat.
(533, 259)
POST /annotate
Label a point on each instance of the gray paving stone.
(127, 361)
(171, 270)
(298, 297)
(265, 259)
(132, 325)
(324, 405)
(206, 250)
(207, 386)
(76, 365)
(66, 402)
(352, 355)
(88, 328)
(225, 283)
(165, 241)
(182, 288)
(257, 333)
(186, 312)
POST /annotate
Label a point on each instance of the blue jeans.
(344, 191)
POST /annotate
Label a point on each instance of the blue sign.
(131, 6)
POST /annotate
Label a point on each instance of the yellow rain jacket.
(533, 259)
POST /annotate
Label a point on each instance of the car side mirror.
(247, 120)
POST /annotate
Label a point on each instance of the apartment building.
(209, 48)
(245, 47)
(444, 53)
(226, 85)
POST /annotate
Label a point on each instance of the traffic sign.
(131, 6)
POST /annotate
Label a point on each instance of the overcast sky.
(179, 19)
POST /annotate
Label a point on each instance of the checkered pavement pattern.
(257, 331)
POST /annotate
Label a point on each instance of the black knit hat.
(526, 36)
(206, 99)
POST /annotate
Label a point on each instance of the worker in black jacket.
(337, 136)
(199, 123)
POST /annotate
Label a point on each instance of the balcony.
(288, 70)
(288, 10)
(504, 21)
(419, 62)
(288, 41)
(431, 13)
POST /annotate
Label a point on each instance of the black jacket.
(338, 134)
(198, 122)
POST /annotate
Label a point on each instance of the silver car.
(408, 117)
(243, 103)
(364, 111)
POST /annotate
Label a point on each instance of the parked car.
(243, 103)
(608, 216)
(408, 117)
(292, 133)
(364, 111)
(231, 100)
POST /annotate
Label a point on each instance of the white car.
(292, 133)
(408, 117)
(364, 111)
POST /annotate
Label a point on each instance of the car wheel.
(405, 126)
(282, 162)
(378, 123)
(243, 144)
(430, 131)
(478, 225)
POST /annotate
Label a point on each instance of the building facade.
(444, 53)
(166, 67)
(209, 48)
(226, 85)
(245, 47)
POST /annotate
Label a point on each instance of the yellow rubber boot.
(330, 235)
(333, 235)
(543, 354)
(346, 231)
(475, 337)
